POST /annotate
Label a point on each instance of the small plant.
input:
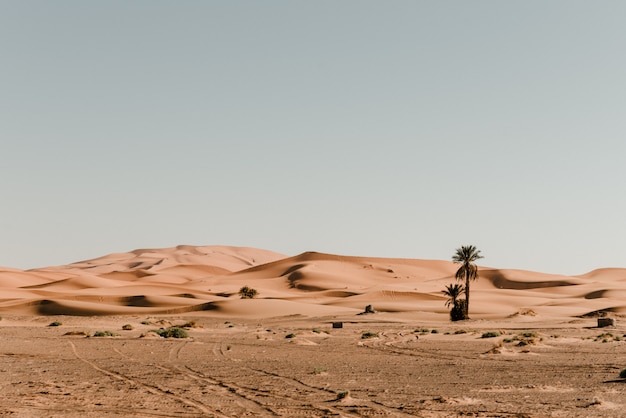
(490, 334)
(248, 292)
(290, 336)
(529, 334)
(622, 374)
(171, 332)
(55, 324)
(342, 394)
(369, 334)
(605, 337)
(127, 327)
(319, 331)
(104, 334)
(435, 331)
(319, 370)
(146, 322)
(191, 324)
(460, 331)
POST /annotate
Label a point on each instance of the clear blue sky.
(374, 128)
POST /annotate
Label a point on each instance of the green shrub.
(460, 331)
(529, 334)
(319, 370)
(127, 327)
(369, 334)
(55, 324)
(490, 334)
(247, 292)
(171, 332)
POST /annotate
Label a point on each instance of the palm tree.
(453, 291)
(466, 255)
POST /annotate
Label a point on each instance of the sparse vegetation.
(466, 255)
(146, 322)
(127, 327)
(319, 370)
(248, 292)
(435, 331)
(490, 334)
(191, 324)
(171, 332)
(460, 331)
(607, 337)
(290, 336)
(369, 334)
(105, 334)
(55, 324)
(453, 291)
(342, 394)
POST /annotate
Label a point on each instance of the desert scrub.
(191, 324)
(171, 332)
(435, 331)
(55, 324)
(369, 334)
(607, 337)
(460, 331)
(342, 394)
(104, 334)
(127, 327)
(319, 370)
(490, 334)
(290, 336)
(319, 331)
(247, 292)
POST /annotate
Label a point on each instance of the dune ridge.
(206, 279)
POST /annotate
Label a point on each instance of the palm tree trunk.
(467, 292)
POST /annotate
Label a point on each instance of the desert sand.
(531, 349)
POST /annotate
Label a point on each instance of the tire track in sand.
(152, 389)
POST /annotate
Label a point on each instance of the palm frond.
(466, 254)
(453, 291)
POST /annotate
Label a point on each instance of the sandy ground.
(278, 354)
(250, 368)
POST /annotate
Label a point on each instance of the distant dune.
(205, 280)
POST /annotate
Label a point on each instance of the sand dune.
(206, 279)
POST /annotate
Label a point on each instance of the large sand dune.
(206, 280)
(279, 354)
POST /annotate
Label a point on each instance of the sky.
(372, 128)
